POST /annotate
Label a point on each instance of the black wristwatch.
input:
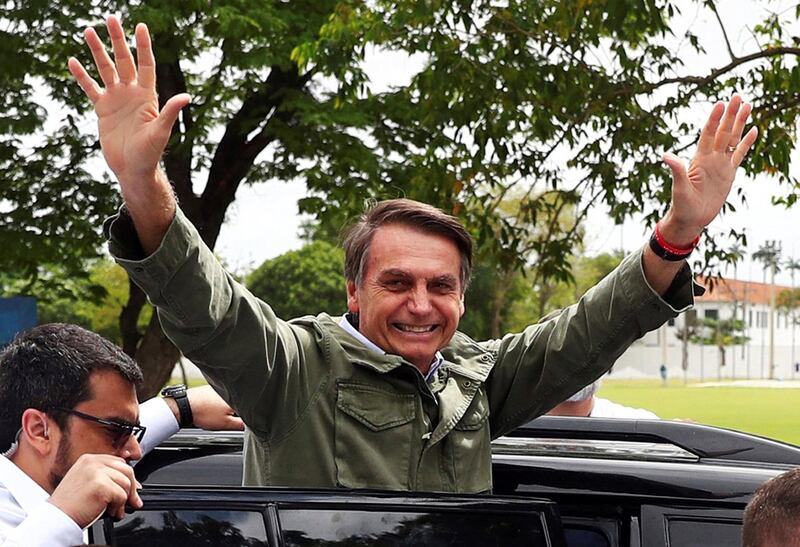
(178, 393)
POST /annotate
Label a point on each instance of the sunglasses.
(122, 430)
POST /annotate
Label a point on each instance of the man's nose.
(419, 301)
(131, 450)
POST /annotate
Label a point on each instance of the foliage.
(93, 301)
(788, 300)
(524, 304)
(718, 332)
(567, 102)
(307, 281)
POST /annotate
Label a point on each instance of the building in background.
(745, 300)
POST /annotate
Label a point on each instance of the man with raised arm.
(389, 395)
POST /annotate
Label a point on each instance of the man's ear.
(462, 308)
(36, 430)
(352, 297)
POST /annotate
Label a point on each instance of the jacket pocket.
(374, 429)
(472, 447)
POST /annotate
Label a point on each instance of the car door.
(266, 517)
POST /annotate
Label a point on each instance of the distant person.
(585, 404)
(71, 424)
(663, 372)
(772, 518)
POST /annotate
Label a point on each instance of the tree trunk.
(498, 305)
(157, 357)
(129, 319)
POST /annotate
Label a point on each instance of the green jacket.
(323, 410)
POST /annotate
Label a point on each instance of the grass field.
(768, 412)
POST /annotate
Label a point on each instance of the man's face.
(112, 398)
(410, 299)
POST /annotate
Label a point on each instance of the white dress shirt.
(27, 519)
(603, 408)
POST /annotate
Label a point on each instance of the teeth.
(414, 328)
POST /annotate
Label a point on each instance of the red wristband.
(661, 247)
(673, 248)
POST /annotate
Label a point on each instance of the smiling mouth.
(414, 329)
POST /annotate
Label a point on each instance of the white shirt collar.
(438, 359)
(25, 490)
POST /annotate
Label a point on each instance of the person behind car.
(772, 518)
(585, 403)
(390, 395)
(72, 425)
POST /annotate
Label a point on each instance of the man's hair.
(406, 212)
(773, 515)
(49, 366)
(585, 393)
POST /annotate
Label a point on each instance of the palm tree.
(791, 264)
(737, 252)
(769, 255)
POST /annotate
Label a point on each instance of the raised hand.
(699, 192)
(133, 133)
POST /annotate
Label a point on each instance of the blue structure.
(16, 314)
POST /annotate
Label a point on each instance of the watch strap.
(178, 394)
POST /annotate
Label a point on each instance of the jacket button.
(467, 384)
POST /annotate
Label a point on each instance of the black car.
(557, 481)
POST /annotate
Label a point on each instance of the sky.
(263, 222)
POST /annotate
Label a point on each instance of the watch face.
(174, 391)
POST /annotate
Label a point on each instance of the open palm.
(699, 192)
(133, 133)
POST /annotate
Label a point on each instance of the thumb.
(169, 113)
(679, 175)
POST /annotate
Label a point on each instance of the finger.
(738, 127)
(124, 477)
(87, 83)
(105, 67)
(679, 176)
(169, 113)
(723, 136)
(706, 143)
(235, 423)
(144, 54)
(122, 53)
(744, 146)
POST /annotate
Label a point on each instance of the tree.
(791, 306)
(544, 97)
(302, 282)
(720, 333)
(769, 255)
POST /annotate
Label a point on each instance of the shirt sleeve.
(46, 526)
(550, 361)
(265, 368)
(160, 422)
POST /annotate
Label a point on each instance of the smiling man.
(390, 395)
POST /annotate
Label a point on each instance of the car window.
(691, 526)
(704, 533)
(331, 528)
(584, 537)
(168, 528)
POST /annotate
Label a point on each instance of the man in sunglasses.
(69, 412)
